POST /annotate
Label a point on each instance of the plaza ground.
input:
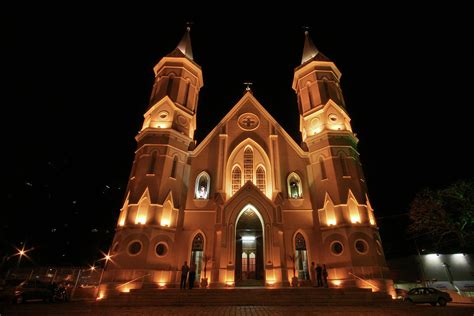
(92, 308)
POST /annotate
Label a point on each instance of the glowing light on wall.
(165, 222)
(122, 222)
(459, 258)
(331, 222)
(166, 215)
(229, 283)
(353, 210)
(140, 220)
(161, 124)
(355, 219)
(101, 296)
(371, 217)
(336, 282)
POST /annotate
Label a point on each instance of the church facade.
(247, 205)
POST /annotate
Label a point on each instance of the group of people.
(320, 275)
(185, 270)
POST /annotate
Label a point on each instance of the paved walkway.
(86, 308)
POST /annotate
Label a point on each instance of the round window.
(134, 248)
(337, 248)
(378, 247)
(163, 115)
(361, 246)
(333, 117)
(161, 249)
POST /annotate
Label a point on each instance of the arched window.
(197, 251)
(295, 190)
(166, 214)
(301, 257)
(236, 179)
(186, 92)
(342, 160)
(323, 168)
(202, 186)
(261, 183)
(151, 170)
(248, 164)
(169, 88)
(173, 168)
(310, 95)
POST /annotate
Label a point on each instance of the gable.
(248, 116)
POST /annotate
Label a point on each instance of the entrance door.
(249, 250)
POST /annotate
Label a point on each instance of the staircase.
(248, 297)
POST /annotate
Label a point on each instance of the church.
(248, 206)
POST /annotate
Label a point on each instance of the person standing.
(325, 276)
(192, 275)
(312, 273)
(184, 275)
(319, 275)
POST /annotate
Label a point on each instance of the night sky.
(79, 79)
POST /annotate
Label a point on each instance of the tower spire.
(309, 50)
(185, 44)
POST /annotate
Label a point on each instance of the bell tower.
(341, 208)
(153, 207)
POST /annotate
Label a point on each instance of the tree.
(445, 217)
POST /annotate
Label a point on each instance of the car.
(33, 289)
(427, 295)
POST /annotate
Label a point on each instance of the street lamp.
(107, 258)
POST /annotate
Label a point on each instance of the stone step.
(262, 296)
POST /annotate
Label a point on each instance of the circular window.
(248, 121)
(332, 117)
(361, 246)
(337, 248)
(163, 115)
(135, 247)
(161, 249)
(378, 247)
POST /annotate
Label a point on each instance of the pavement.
(92, 308)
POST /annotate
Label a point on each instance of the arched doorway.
(197, 250)
(249, 270)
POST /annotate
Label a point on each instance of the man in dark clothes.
(325, 276)
(192, 275)
(319, 271)
(184, 275)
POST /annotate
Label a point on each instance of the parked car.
(428, 295)
(33, 290)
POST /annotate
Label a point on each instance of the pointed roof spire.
(310, 51)
(185, 44)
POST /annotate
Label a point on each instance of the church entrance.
(249, 250)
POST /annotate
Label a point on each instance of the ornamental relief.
(248, 121)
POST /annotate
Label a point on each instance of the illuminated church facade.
(247, 205)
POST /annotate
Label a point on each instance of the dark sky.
(79, 80)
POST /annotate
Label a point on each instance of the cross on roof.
(248, 84)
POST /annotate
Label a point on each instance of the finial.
(188, 26)
(306, 29)
(248, 84)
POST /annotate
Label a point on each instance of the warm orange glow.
(140, 220)
(371, 218)
(161, 284)
(331, 221)
(336, 282)
(355, 219)
(107, 257)
(122, 222)
(165, 222)
(101, 296)
(93, 268)
(21, 252)
(229, 283)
